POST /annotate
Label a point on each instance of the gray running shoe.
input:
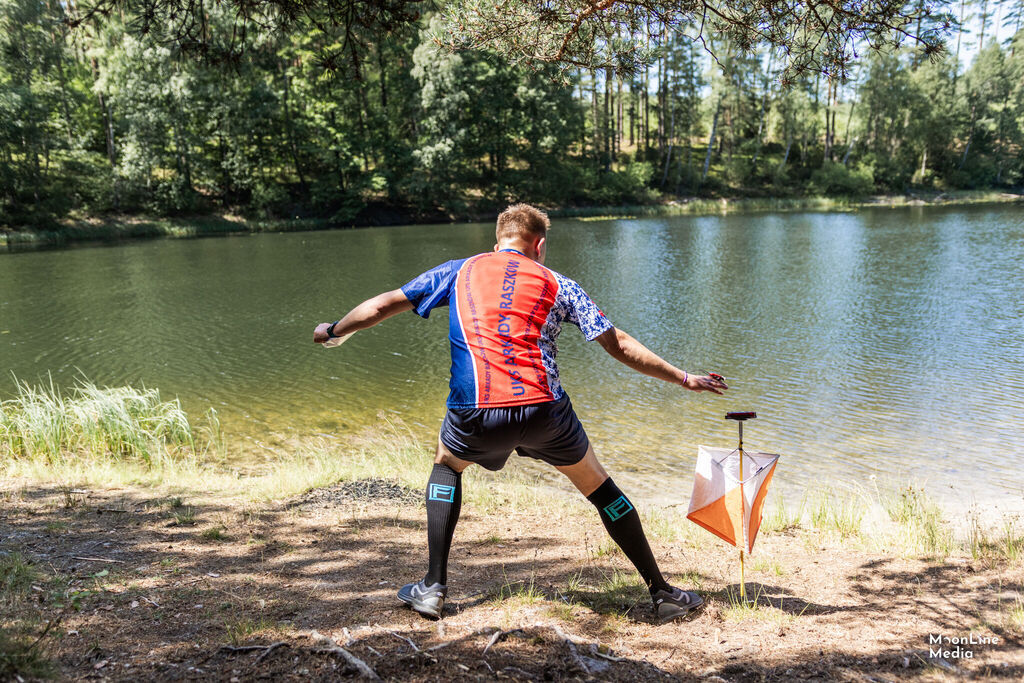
(675, 603)
(427, 600)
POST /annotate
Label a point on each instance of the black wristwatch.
(330, 330)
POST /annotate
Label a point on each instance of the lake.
(879, 348)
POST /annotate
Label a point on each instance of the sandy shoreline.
(140, 586)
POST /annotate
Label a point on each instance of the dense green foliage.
(100, 120)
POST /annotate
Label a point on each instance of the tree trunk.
(970, 136)
(671, 139)
(661, 108)
(108, 129)
(337, 155)
(583, 119)
(849, 149)
(184, 164)
(609, 115)
(711, 142)
(849, 120)
(632, 113)
(618, 120)
(785, 157)
(1016, 30)
(764, 109)
(646, 113)
(64, 100)
(959, 36)
(595, 116)
(289, 130)
(984, 20)
(828, 124)
(917, 32)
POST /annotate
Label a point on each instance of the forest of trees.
(100, 119)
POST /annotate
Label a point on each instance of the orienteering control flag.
(724, 504)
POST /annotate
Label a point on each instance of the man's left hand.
(713, 383)
(320, 333)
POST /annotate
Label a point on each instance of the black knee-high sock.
(444, 501)
(623, 524)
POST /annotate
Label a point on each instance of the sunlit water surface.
(881, 348)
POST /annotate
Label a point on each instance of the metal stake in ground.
(740, 418)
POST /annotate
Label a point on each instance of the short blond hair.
(522, 221)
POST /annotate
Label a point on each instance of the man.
(505, 312)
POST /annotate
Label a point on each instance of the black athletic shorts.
(486, 436)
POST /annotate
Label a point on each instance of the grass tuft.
(22, 634)
(1015, 615)
(91, 423)
(1006, 544)
(767, 566)
(924, 528)
(16, 575)
(841, 515)
(185, 516)
(22, 654)
(1011, 545)
(690, 580)
(781, 519)
(616, 592)
(608, 548)
(756, 608)
(522, 592)
(243, 629)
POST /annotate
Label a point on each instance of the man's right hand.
(705, 383)
(320, 333)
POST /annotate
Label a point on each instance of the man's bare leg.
(444, 457)
(619, 516)
(587, 474)
(623, 525)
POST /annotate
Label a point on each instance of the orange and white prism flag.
(723, 502)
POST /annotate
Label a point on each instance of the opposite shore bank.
(117, 228)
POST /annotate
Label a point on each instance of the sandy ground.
(135, 588)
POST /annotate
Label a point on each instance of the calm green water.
(886, 343)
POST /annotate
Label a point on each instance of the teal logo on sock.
(445, 494)
(617, 508)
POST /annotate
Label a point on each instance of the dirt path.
(137, 588)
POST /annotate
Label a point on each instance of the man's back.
(506, 313)
(501, 303)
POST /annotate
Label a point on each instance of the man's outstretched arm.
(366, 314)
(627, 350)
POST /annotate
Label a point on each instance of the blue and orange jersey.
(505, 314)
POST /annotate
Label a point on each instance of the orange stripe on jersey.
(503, 299)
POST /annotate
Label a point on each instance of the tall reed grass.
(89, 423)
